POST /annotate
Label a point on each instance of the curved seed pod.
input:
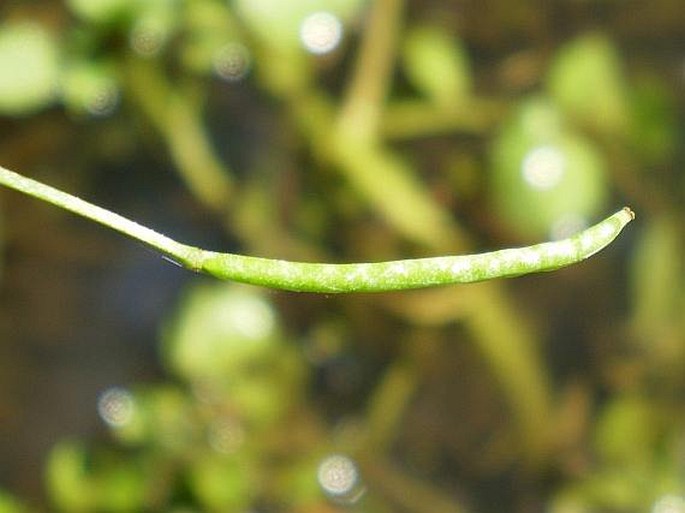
(333, 278)
(415, 273)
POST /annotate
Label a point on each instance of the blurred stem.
(412, 119)
(180, 253)
(388, 404)
(366, 94)
(391, 187)
(383, 179)
(512, 351)
(177, 118)
(405, 491)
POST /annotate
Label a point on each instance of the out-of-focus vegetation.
(343, 130)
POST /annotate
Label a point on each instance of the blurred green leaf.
(226, 337)
(121, 487)
(222, 484)
(438, 65)
(654, 119)
(620, 489)
(209, 27)
(154, 24)
(68, 483)
(544, 174)
(164, 418)
(79, 480)
(30, 68)
(90, 88)
(262, 399)
(657, 296)
(221, 330)
(657, 265)
(278, 23)
(626, 432)
(298, 484)
(102, 11)
(9, 504)
(586, 80)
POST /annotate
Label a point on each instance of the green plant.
(431, 129)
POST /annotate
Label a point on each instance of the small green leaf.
(121, 487)
(278, 23)
(657, 268)
(544, 174)
(29, 60)
(154, 24)
(9, 504)
(654, 120)
(68, 484)
(587, 81)
(437, 65)
(221, 330)
(221, 483)
(101, 11)
(163, 419)
(89, 88)
(209, 28)
(626, 432)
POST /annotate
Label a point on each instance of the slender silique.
(338, 278)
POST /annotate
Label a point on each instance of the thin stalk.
(187, 256)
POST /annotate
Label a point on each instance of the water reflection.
(339, 478)
(543, 167)
(116, 406)
(226, 435)
(321, 32)
(232, 62)
(669, 504)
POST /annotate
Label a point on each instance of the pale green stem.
(187, 256)
(366, 93)
(172, 111)
(408, 492)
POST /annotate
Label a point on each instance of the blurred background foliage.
(342, 130)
